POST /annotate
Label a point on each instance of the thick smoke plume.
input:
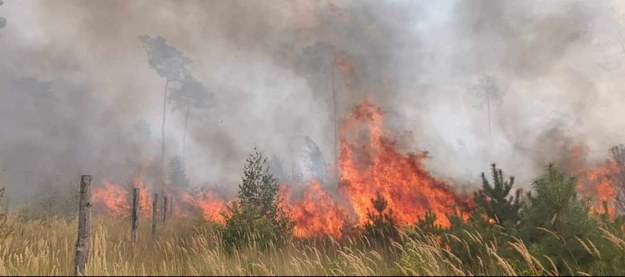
(78, 96)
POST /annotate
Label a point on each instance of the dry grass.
(185, 248)
(47, 248)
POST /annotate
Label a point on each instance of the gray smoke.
(77, 94)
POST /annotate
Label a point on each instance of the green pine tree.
(494, 201)
(382, 226)
(257, 216)
(555, 221)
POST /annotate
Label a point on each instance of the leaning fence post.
(84, 225)
(135, 214)
(154, 214)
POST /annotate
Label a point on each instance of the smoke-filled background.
(77, 95)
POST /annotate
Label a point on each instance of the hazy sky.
(77, 93)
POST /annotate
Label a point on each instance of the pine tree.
(170, 64)
(382, 226)
(191, 93)
(494, 201)
(256, 216)
(555, 221)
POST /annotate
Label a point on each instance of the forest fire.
(111, 197)
(374, 165)
(316, 213)
(368, 166)
(370, 163)
(115, 199)
(598, 185)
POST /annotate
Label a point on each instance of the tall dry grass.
(183, 247)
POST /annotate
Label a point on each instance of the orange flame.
(369, 165)
(210, 205)
(374, 165)
(115, 199)
(316, 213)
(598, 185)
(111, 197)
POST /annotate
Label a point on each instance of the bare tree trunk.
(135, 214)
(163, 126)
(336, 146)
(186, 124)
(165, 208)
(171, 207)
(490, 142)
(154, 214)
(84, 226)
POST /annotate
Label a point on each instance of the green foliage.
(256, 218)
(555, 221)
(495, 202)
(492, 222)
(382, 226)
(427, 225)
(177, 175)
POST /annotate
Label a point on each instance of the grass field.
(187, 247)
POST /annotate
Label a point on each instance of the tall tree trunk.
(336, 146)
(186, 124)
(163, 124)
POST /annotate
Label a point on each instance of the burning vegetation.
(370, 166)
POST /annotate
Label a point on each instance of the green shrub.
(256, 217)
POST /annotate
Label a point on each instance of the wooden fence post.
(165, 208)
(135, 214)
(84, 226)
(154, 214)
